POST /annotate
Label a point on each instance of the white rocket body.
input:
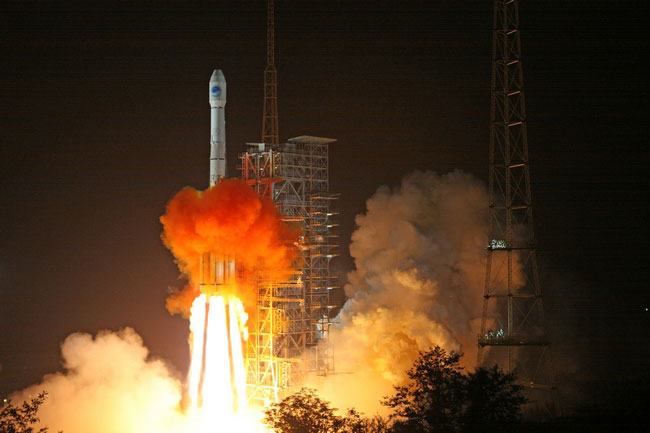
(217, 270)
(217, 127)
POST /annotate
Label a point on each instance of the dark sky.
(105, 115)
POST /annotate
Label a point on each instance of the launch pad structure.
(290, 338)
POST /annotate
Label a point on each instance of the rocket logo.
(216, 91)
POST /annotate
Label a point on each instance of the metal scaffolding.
(290, 333)
(512, 326)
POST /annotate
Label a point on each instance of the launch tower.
(290, 338)
(289, 335)
(512, 326)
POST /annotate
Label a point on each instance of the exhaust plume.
(109, 384)
(420, 259)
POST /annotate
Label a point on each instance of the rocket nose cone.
(217, 76)
(217, 89)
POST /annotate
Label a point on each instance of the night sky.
(105, 116)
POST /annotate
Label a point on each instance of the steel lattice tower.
(270, 134)
(512, 325)
(290, 330)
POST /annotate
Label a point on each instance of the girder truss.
(270, 130)
(290, 335)
(512, 326)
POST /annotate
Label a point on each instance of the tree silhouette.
(493, 397)
(305, 412)
(440, 398)
(21, 419)
(434, 399)
(302, 412)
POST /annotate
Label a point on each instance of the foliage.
(353, 422)
(434, 398)
(21, 419)
(492, 397)
(441, 398)
(302, 412)
(305, 412)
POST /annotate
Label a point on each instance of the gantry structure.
(289, 336)
(513, 332)
(289, 332)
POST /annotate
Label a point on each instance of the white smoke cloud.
(420, 261)
(420, 258)
(109, 385)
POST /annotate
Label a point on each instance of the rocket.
(217, 271)
(217, 278)
(217, 127)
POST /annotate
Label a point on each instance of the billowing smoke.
(420, 258)
(228, 219)
(109, 384)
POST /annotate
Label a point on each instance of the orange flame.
(230, 220)
(227, 222)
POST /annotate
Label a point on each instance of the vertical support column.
(270, 134)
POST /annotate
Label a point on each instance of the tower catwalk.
(512, 325)
(270, 134)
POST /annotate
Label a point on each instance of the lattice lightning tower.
(270, 134)
(512, 325)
